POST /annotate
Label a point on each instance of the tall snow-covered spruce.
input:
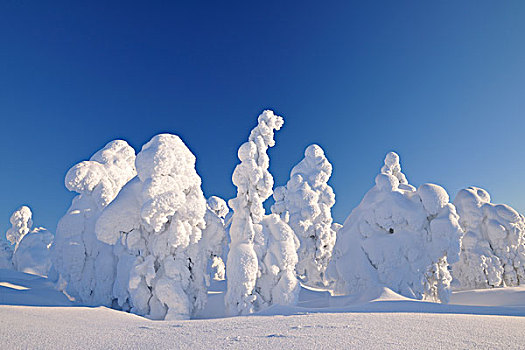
(86, 266)
(398, 237)
(155, 225)
(262, 256)
(493, 249)
(307, 199)
(30, 253)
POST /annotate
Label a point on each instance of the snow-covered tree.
(493, 250)
(398, 237)
(277, 282)
(307, 199)
(262, 249)
(31, 246)
(214, 240)
(21, 224)
(86, 266)
(155, 225)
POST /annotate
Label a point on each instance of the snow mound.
(24, 289)
(307, 200)
(398, 237)
(493, 251)
(509, 297)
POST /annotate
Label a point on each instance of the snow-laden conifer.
(155, 225)
(86, 266)
(307, 199)
(30, 246)
(398, 237)
(493, 249)
(262, 253)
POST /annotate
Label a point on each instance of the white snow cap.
(433, 197)
(155, 224)
(493, 251)
(86, 266)
(398, 237)
(167, 168)
(21, 224)
(218, 206)
(392, 167)
(104, 174)
(306, 202)
(251, 280)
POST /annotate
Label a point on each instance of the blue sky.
(440, 82)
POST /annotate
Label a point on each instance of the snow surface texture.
(262, 256)
(155, 225)
(398, 237)
(31, 246)
(307, 200)
(86, 266)
(493, 250)
(29, 303)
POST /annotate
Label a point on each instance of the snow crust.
(155, 225)
(398, 237)
(255, 278)
(84, 265)
(493, 251)
(307, 200)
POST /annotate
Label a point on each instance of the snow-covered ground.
(33, 315)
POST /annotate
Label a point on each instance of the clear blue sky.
(440, 82)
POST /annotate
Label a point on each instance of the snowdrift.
(29, 302)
